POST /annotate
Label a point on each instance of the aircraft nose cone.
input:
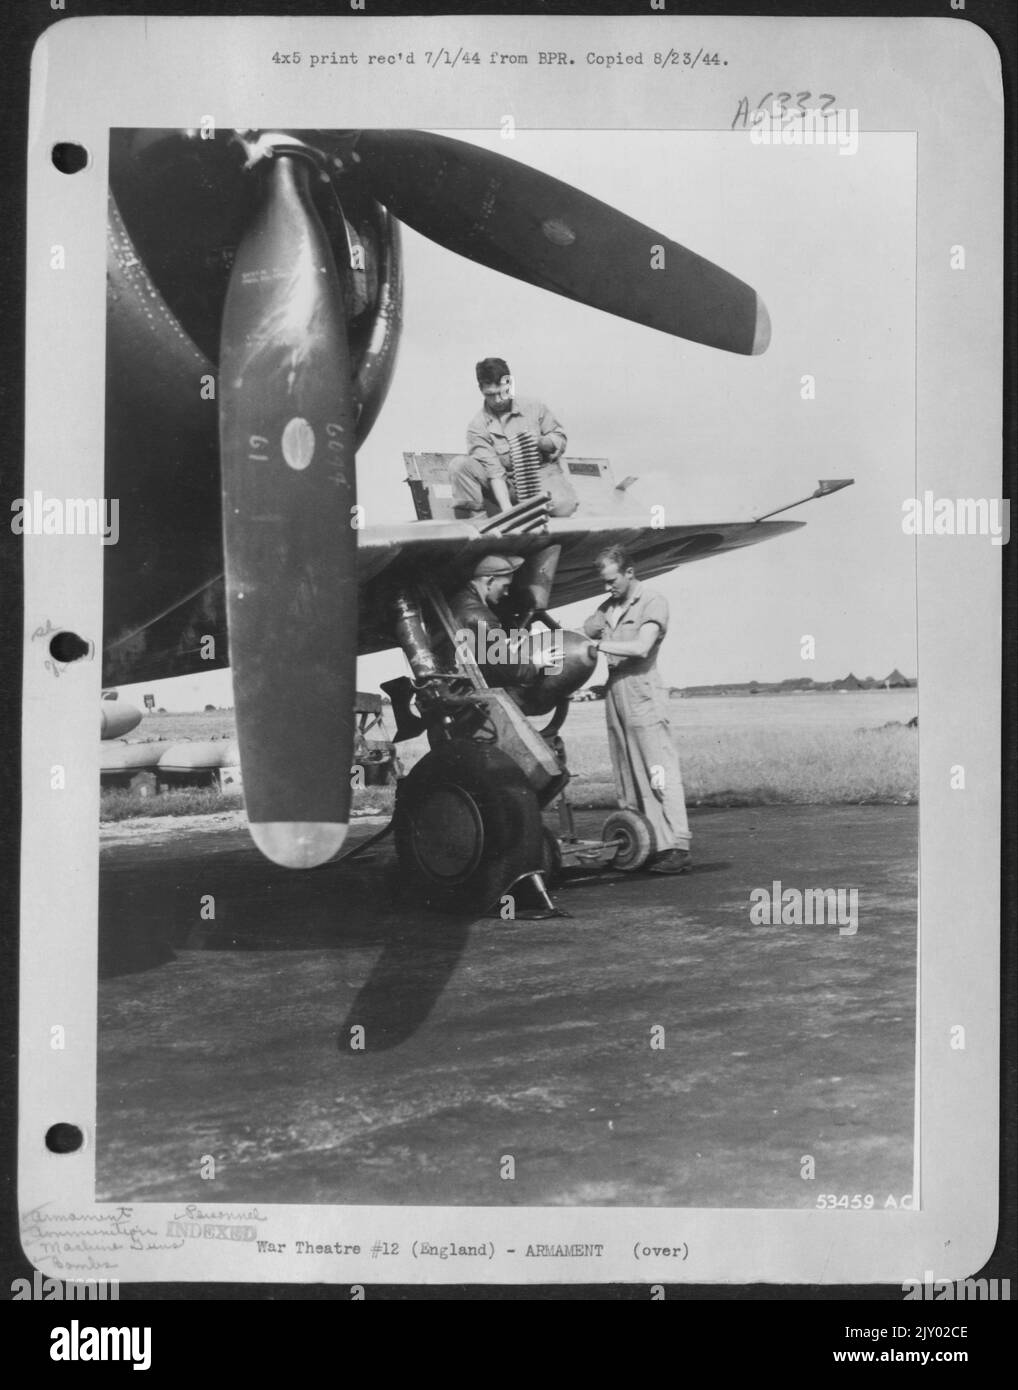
(762, 333)
(298, 844)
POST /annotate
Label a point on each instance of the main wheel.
(635, 837)
(467, 825)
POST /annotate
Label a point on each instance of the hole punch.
(64, 1139)
(69, 157)
(68, 646)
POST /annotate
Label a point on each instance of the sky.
(828, 241)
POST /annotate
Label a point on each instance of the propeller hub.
(259, 147)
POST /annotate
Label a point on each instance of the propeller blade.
(287, 450)
(529, 225)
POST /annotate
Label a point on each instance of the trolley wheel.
(467, 825)
(551, 857)
(635, 837)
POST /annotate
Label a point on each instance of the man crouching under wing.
(510, 659)
(629, 628)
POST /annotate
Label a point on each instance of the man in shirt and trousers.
(492, 435)
(629, 628)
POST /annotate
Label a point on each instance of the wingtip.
(762, 332)
(299, 844)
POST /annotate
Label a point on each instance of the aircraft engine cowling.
(577, 666)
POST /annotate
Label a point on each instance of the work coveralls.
(489, 445)
(644, 758)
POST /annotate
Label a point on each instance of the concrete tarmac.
(655, 1047)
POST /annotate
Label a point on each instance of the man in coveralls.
(477, 624)
(487, 468)
(629, 628)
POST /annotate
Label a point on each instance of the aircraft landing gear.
(551, 858)
(467, 824)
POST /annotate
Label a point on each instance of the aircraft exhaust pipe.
(412, 635)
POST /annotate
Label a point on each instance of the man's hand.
(501, 494)
(551, 447)
(544, 659)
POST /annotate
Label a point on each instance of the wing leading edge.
(443, 551)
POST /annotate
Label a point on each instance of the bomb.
(576, 667)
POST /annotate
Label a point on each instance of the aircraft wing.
(446, 552)
(192, 637)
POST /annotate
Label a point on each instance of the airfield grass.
(196, 725)
(773, 767)
(119, 803)
(721, 766)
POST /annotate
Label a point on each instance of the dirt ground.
(485, 1037)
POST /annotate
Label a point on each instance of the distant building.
(794, 685)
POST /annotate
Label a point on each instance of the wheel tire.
(378, 770)
(467, 825)
(637, 841)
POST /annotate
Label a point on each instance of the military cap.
(491, 566)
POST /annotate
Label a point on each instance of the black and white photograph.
(503, 836)
(539, 644)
